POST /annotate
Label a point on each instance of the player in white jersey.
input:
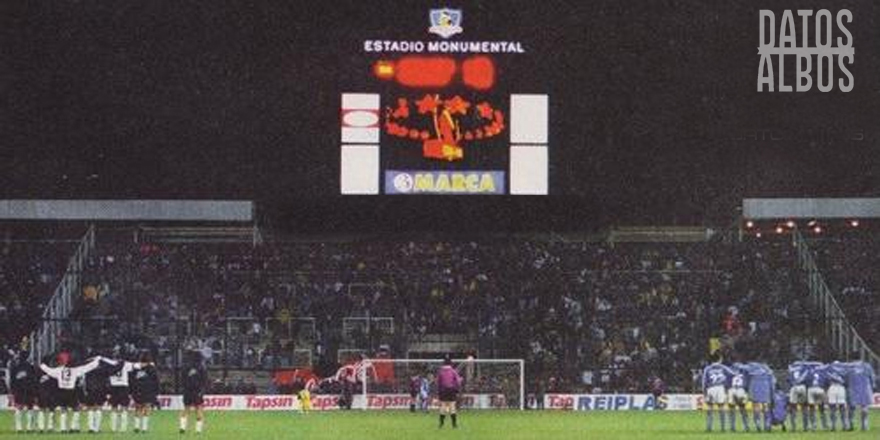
(96, 387)
(67, 378)
(120, 398)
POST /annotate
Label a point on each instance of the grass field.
(473, 426)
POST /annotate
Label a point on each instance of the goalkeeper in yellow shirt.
(305, 400)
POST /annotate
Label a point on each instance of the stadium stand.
(586, 316)
(32, 261)
(849, 259)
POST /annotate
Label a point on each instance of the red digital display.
(419, 72)
(435, 72)
(478, 73)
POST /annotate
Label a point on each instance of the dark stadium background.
(655, 118)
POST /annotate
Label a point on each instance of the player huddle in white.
(815, 390)
(53, 398)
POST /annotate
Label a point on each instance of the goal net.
(487, 383)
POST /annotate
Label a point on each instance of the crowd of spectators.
(30, 270)
(849, 260)
(584, 315)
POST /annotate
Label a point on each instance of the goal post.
(487, 383)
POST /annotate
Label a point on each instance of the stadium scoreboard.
(441, 117)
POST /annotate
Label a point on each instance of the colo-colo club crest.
(445, 22)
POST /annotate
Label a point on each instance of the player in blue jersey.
(424, 394)
(737, 397)
(859, 391)
(817, 383)
(798, 375)
(761, 384)
(836, 393)
(779, 411)
(716, 376)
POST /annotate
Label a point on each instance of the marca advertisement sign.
(444, 182)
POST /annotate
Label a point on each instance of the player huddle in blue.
(815, 390)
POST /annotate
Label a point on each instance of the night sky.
(655, 115)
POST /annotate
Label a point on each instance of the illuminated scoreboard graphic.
(440, 118)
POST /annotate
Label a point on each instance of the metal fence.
(61, 304)
(843, 337)
(367, 333)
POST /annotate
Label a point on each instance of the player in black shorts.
(79, 400)
(448, 385)
(47, 400)
(24, 385)
(120, 400)
(67, 378)
(195, 379)
(96, 386)
(120, 392)
(145, 393)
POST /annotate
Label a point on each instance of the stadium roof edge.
(128, 210)
(811, 208)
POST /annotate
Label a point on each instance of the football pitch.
(473, 426)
